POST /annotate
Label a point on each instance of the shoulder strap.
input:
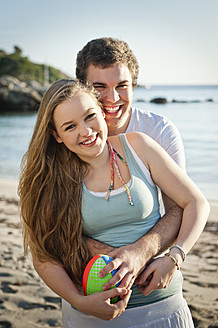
(128, 153)
(134, 166)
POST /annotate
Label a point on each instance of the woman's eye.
(69, 127)
(90, 116)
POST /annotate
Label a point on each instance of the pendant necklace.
(113, 163)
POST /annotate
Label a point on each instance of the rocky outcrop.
(159, 100)
(19, 96)
(165, 101)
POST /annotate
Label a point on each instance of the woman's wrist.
(180, 249)
(177, 255)
(173, 260)
(79, 302)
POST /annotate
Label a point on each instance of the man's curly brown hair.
(105, 52)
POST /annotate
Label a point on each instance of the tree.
(17, 50)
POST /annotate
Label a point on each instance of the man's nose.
(111, 95)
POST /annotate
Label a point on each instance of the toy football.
(91, 282)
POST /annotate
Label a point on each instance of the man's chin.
(112, 122)
(113, 116)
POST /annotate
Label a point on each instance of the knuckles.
(112, 314)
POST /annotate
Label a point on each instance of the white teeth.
(89, 141)
(112, 109)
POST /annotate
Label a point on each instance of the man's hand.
(157, 275)
(129, 262)
(132, 259)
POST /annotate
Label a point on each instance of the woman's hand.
(98, 304)
(158, 274)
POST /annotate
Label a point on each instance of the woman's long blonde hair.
(50, 190)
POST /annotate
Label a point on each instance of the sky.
(175, 42)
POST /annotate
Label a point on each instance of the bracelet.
(173, 259)
(181, 250)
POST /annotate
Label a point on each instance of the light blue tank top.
(116, 223)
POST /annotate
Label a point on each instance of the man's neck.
(115, 130)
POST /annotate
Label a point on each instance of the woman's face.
(80, 125)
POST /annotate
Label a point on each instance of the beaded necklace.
(113, 163)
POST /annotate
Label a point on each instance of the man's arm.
(96, 247)
(132, 259)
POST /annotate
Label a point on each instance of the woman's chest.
(100, 214)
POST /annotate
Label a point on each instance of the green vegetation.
(22, 68)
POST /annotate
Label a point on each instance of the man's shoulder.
(156, 126)
(148, 122)
(161, 129)
(145, 114)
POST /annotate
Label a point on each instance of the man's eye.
(69, 127)
(99, 87)
(122, 86)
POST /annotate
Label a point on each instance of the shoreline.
(25, 299)
(8, 188)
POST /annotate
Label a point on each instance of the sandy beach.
(25, 301)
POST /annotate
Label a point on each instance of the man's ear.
(103, 113)
(56, 136)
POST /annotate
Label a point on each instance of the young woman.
(76, 182)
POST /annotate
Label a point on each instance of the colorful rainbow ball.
(91, 282)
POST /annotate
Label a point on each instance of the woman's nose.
(85, 129)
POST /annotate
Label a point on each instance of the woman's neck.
(100, 161)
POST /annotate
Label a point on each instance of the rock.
(140, 100)
(179, 101)
(159, 100)
(38, 87)
(195, 101)
(209, 100)
(16, 95)
(187, 101)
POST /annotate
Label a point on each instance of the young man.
(111, 67)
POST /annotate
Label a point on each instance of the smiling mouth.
(90, 141)
(112, 110)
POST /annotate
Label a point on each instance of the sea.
(193, 109)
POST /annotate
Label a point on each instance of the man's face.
(114, 84)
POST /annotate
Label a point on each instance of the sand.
(25, 301)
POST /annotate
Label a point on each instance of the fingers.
(145, 290)
(111, 293)
(99, 305)
(127, 281)
(126, 297)
(145, 277)
(116, 278)
(119, 275)
(149, 280)
(110, 267)
(157, 282)
(120, 306)
(127, 268)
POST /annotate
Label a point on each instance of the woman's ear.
(56, 136)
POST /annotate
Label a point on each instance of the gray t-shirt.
(162, 130)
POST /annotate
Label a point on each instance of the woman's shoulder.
(140, 142)
(143, 145)
(139, 139)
